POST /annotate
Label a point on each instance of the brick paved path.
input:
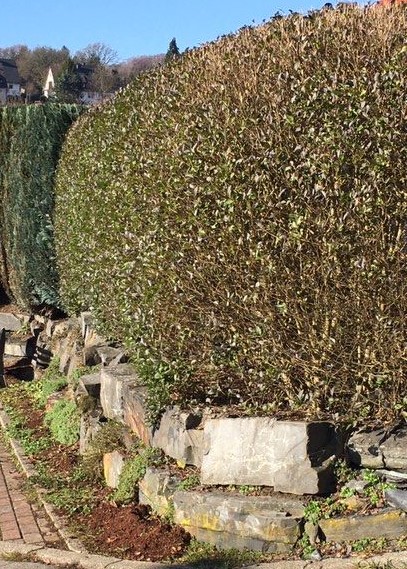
(21, 521)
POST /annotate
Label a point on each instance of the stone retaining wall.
(292, 458)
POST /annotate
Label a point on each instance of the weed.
(205, 556)
(343, 472)
(347, 492)
(168, 515)
(51, 381)
(72, 500)
(190, 482)
(133, 471)
(313, 511)
(17, 430)
(63, 421)
(247, 490)
(305, 546)
(374, 491)
(361, 544)
(370, 544)
(107, 439)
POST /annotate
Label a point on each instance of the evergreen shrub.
(238, 218)
(31, 137)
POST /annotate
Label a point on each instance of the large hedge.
(238, 218)
(31, 137)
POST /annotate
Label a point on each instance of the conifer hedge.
(238, 218)
(31, 137)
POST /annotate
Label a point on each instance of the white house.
(9, 72)
(88, 96)
(49, 84)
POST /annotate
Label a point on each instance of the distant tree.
(129, 69)
(104, 80)
(33, 65)
(173, 51)
(12, 52)
(96, 54)
(68, 84)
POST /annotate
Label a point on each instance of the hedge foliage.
(238, 218)
(30, 141)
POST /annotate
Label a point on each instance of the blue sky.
(132, 27)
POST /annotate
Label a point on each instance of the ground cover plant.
(31, 137)
(241, 212)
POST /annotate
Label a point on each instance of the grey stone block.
(88, 330)
(157, 488)
(94, 354)
(391, 524)
(135, 410)
(10, 322)
(90, 385)
(398, 479)
(396, 498)
(113, 463)
(90, 425)
(123, 399)
(394, 449)
(379, 449)
(20, 347)
(244, 522)
(293, 457)
(363, 449)
(178, 436)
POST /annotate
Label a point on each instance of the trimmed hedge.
(238, 219)
(30, 141)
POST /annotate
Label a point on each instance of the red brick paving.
(20, 521)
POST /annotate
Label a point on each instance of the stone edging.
(87, 561)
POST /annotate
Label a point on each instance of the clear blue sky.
(132, 27)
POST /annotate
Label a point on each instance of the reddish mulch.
(133, 532)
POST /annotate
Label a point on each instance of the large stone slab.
(394, 449)
(113, 463)
(293, 457)
(20, 347)
(89, 385)
(363, 448)
(396, 498)
(88, 330)
(135, 410)
(90, 425)
(123, 398)
(390, 524)
(10, 322)
(240, 522)
(179, 437)
(379, 449)
(95, 354)
(112, 381)
(157, 488)
(43, 351)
